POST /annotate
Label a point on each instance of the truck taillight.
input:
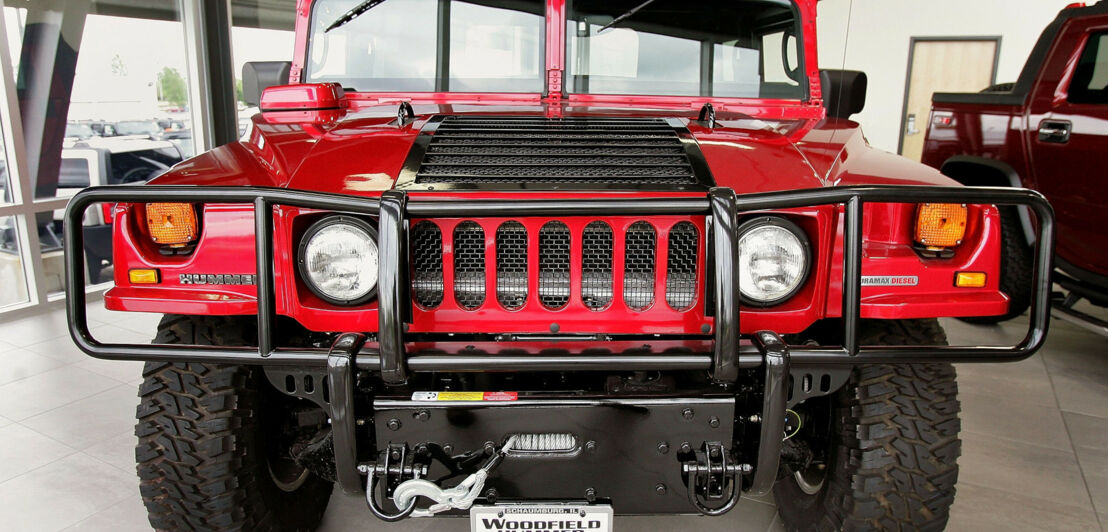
(940, 225)
(172, 224)
(106, 209)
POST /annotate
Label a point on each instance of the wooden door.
(941, 66)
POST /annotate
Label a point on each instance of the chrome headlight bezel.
(301, 257)
(783, 223)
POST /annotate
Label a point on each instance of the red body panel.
(1069, 174)
(359, 149)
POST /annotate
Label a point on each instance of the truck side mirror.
(844, 92)
(258, 76)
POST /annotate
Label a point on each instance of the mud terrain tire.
(201, 458)
(894, 445)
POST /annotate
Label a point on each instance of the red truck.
(1046, 132)
(542, 262)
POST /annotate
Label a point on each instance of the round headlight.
(773, 260)
(338, 260)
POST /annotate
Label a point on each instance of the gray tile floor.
(1035, 453)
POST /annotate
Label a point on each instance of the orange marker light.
(940, 224)
(143, 276)
(171, 224)
(969, 279)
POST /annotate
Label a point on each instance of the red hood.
(362, 152)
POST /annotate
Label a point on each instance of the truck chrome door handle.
(1057, 131)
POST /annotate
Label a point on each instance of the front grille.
(635, 151)
(573, 258)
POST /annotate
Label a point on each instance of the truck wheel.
(209, 455)
(884, 448)
(1017, 268)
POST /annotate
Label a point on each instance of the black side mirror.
(844, 92)
(258, 76)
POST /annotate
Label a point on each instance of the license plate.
(541, 518)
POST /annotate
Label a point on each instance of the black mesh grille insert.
(554, 265)
(638, 267)
(511, 265)
(426, 244)
(681, 266)
(540, 150)
(469, 265)
(596, 265)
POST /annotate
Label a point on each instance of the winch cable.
(460, 497)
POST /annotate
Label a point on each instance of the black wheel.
(884, 448)
(1017, 269)
(210, 452)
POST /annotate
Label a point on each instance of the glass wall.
(102, 90)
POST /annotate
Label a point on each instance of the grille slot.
(554, 265)
(638, 268)
(511, 265)
(681, 266)
(641, 151)
(469, 265)
(596, 265)
(426, 245)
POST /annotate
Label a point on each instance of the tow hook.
(404, 485)
(712, 477)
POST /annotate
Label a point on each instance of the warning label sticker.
(465, 396)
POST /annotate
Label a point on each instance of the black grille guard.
(394, 208)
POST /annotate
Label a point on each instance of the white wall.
(879, 35)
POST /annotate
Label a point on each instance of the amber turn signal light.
(139, 276)
(171, 224)
(969, 279)
(940, 224)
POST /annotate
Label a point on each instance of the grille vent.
(638, 266)
(469, 265)
(426, 244)
(511, 265)
(596, 265)
(681, 266)
(554, 265)
(633, 151)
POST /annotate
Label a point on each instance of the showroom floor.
(1035, 454)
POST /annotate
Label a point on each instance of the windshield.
(137, 128)
(728, 48)
(430, 46)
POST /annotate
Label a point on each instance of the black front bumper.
(730, 353)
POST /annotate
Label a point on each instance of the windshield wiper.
(354, 13)
(624, 16)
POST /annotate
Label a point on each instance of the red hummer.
(1045, 132)
(542, 262)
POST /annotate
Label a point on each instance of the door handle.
(1056, 131)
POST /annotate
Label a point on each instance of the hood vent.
(510, 152)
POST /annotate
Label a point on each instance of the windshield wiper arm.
(624, 16)
(354, 13)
